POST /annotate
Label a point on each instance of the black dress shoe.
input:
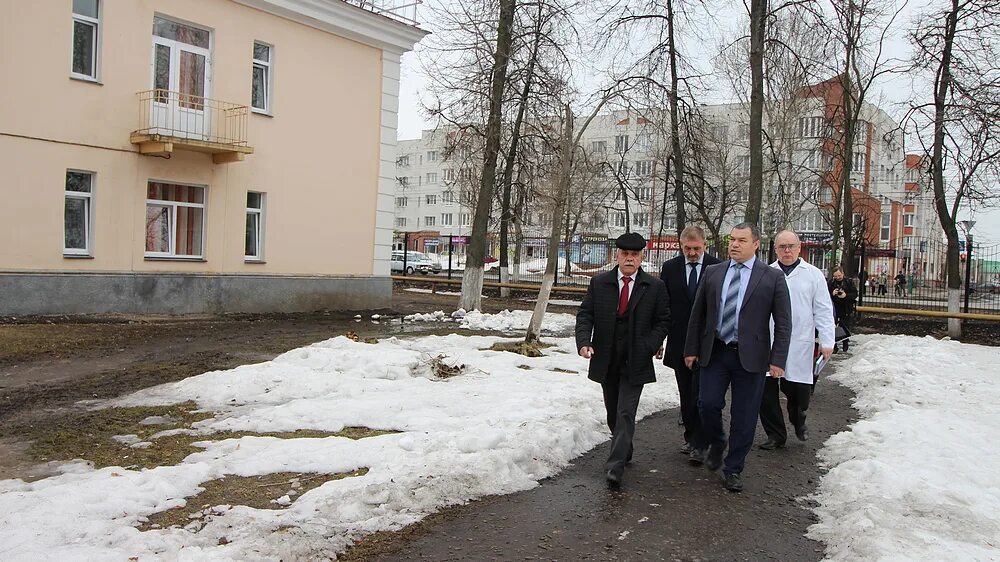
(614, 479)
(847, 343)
(734, 482)
(686, 449)
(697, 457)
(802, 432)
(771, 444)
(713, 460)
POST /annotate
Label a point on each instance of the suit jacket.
(766, 296)
(648, 318)
(675, 276)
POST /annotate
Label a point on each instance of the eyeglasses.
(787, 247)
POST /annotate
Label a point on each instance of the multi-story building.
(172, 156)
(627, 187)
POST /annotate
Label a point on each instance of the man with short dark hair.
(728, 338)
(619, 326)
(681, 276)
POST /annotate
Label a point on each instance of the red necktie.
(623, 297)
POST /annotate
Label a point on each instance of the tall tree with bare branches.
(959, 126)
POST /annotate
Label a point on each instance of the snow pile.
(506, 321)
(499, 427)
(518, 320)
(916, 478)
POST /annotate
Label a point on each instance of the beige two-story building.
(179, 156)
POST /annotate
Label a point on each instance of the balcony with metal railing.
(404, 11)
(170, 120)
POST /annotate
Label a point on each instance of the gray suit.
(766, 295)
(741, 365)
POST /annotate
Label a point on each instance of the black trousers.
(687, 389)
(797, 396)
(621, 401)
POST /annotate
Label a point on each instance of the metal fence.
(907, 273)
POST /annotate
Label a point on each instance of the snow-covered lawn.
(501, 426)
(918, 476)
(914, 479)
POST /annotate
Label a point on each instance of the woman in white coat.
(812, 312)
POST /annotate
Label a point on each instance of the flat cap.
(631, 241)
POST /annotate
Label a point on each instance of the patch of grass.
(444, 371)
(88, 436)
(252, 491)
(533, 349)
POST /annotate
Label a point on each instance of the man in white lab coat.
(812, 312)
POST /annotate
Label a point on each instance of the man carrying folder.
(812, 312)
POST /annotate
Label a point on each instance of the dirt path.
(667, 509)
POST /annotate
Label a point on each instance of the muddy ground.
(49, 365)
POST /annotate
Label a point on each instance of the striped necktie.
(728, 331)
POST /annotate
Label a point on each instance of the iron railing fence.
(404, 11)
(167, 113)
(906, 273)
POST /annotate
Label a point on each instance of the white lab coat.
(812, 310)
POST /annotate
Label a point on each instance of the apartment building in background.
(181, 156)
(628, 151)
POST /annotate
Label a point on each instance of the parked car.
(415, 262)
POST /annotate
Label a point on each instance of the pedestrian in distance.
(883, 284)
(681, 275)
(728, 339)
(844, 295)
(619, 326)
(862, 281)
(900, 279)
(812, 314)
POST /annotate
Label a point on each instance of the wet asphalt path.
(666, 510)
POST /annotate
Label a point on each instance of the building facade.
(628, 189)
(179, 156)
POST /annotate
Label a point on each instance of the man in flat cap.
(620, 325)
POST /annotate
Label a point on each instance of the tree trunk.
(508, 172)
(472, 279)
(676, 156)
(941, 88)
(552, 262)
(758, 19)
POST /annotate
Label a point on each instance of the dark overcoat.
(648, 318)
(675, 276)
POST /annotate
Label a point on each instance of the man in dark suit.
(619, 326)
(681, 276)
(728, 336)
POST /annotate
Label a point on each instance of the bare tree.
(862, 28)
(960, 47)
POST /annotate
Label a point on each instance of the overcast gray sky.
(892, 93)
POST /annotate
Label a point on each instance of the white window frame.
(88, 198)
(401, 201)
(400, 222)
(447, 219)
(885, 226)
(259, 212)
(95, 51)
(432, 156)
(466, 219)
(908, 219)
(430, 199)
(267, 66)
(430, 220)
(432, 177)
(173, 205)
